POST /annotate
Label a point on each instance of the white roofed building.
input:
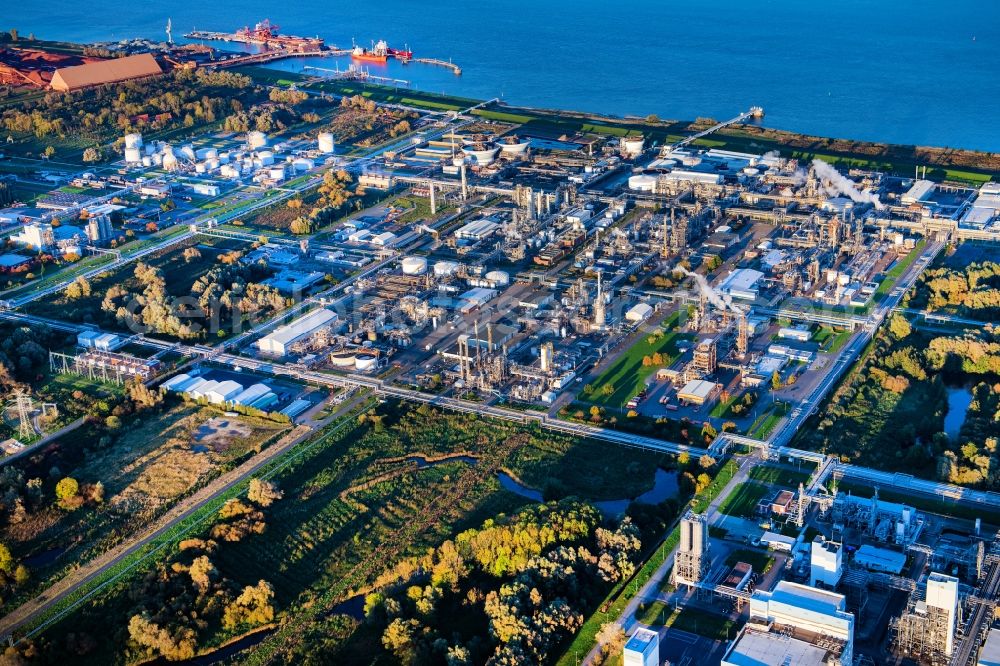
(281, 340)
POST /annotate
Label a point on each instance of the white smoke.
(721, 301)
(835, 183)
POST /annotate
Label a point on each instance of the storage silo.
(414, 265)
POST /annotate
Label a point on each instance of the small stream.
(959, 399)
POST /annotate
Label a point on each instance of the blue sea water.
(915, 72)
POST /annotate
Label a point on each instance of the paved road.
(651, 590)
(184, 509)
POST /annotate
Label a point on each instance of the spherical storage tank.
(414, 265)
(256, 140)
(499, 278)
(325, 142)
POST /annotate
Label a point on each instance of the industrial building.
(698, 392)
(881, 560)
(794, 624)
(69, 79)
(826, 563)
(926, 630)
(227, 392)
(642, 648)
(283, 340)
(99, 341)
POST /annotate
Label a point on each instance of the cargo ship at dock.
(380, 52)
(263, 34)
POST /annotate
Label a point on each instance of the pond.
(959, 399)
(664, 487)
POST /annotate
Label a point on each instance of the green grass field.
(628, 375)
(758, 559)
(743, 500)
(780, 476)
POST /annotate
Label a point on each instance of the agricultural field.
(394, 483)
(127, 470)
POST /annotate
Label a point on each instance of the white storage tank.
(169, 161)
(325, 142)
(256, 140)
(266, 157)
(277, 173)
(414, 265)
(642, 182)
(499, 278)
(365, 363)
(632, 146)
(133, 155)
(445, 268)
(147, 161)
(199, 167)
(187, 152)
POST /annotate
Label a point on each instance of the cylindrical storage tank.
(325, 142)
(187, 152)
(169, 161)
(500, 278)
(343, 360)
(211, 154)
(212, 164)
(365, 363)
(691, 160)
(266, 157)
(157, 159)
(685, 543)
(632, 146)
(697, 537)
(223, 158)
(642, 182)
(256, 140)
(513, 145)
(133, 140)
(414, 265)
(147, 161)
(458, 161)
(133, 155)
(750, 171)
(445, 268)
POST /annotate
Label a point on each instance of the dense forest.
(506, 593)
(890, 413)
